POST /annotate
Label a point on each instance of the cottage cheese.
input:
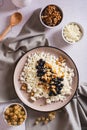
(72, 32)
(29, 77)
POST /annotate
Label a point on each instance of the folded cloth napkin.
(71, 117)
(12, 49)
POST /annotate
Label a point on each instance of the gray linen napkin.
(72, 117)
(11, 51)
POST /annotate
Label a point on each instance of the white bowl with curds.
(72, 32)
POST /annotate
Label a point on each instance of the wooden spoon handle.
(5, 32)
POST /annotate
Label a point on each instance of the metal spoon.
(14, 20)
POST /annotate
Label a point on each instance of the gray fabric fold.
(72, 117)
(82, 105)
(10, 53)
(12, 49)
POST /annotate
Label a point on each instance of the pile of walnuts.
(51, 15)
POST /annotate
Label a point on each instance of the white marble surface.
(73, 11)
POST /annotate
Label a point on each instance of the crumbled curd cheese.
(72, 32)
(29, 77)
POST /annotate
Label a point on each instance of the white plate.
(38, 104)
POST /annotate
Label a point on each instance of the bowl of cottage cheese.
(72, 32)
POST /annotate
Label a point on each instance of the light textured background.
(75, 10)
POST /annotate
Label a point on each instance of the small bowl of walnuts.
(51, 16)
(15, 114)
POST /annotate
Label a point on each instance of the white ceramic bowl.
(14, 113)
(72, 35)
(43, 9)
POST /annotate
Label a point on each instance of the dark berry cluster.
(40, 68)
(55, 84)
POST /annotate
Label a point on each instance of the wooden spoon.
(14, 20)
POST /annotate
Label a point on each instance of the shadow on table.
(58, 40)
(33, 24)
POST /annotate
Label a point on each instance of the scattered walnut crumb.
(60, 60)
(24, 87)
(45, 119)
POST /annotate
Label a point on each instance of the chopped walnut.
(47, 65)
(24, 87)
(45, 119)
(51, 15)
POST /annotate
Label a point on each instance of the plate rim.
(57, 50)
